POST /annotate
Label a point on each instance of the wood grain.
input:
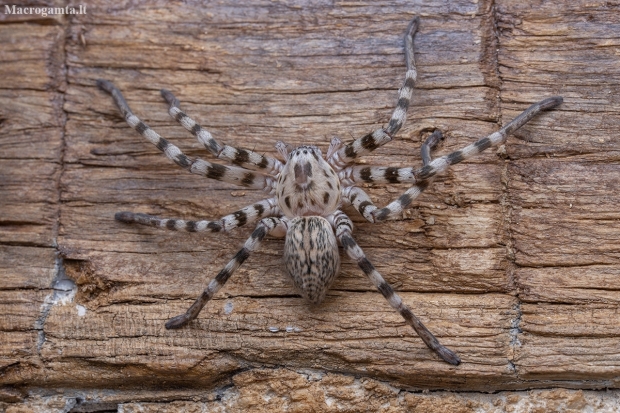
(511, 258)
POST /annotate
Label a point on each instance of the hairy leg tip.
(449, 356)
(177, 322)
(124, 216)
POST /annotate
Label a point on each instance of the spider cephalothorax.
(307, 194)
(307, 185)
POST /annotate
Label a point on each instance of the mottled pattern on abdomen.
(311, 256)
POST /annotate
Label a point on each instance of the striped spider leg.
(273, 226)
(422, 177)
(342, 155)
(248, 214)
(343, 226)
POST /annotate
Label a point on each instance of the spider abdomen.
(311, 256)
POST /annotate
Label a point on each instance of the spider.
(307, 194)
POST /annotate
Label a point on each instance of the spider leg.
(272, 225)
(379, 137)
(343, 227)
(430, 144)
(241, 157)
(249, 214)
(422, 177)
(230, 174)
(359, 198)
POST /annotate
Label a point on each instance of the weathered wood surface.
(512, 258)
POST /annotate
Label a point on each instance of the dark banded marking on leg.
(241, 157)
(370, 142)
(405, 199)
(260, 209)
(391, 175)
(241, 217)
(230, 174)
(356, 254)
(249, 214)
(384, 288)
(455, 157)
(366, 175)
(196, 130)
(361, 146)
(349, 153)
(395, 208)
(340, 222)
(353, 175)
(360, 201)
(265, 226)
(161, 144)
(248, 179)
(482, 144)
(233, 175)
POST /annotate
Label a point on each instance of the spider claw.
(448, 355)
(551, 102)
(413, 26)
(177, 322)
(170, 98)
(125, 216)
(105, 85)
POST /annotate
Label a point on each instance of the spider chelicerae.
(307, 193)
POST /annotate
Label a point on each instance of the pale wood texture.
(512, 258)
